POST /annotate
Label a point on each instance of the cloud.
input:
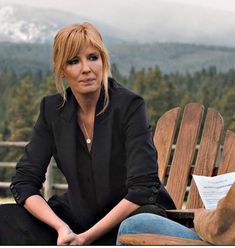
(194, 21)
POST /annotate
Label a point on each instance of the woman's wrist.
(61, 226)
(85, 238)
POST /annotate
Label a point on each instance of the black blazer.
(121, 164)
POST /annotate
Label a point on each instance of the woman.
(99, 135)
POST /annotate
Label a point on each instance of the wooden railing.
(49, 185)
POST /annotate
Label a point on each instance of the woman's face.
(85, 71)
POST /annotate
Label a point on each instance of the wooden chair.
(187, 160)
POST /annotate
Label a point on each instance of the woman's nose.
(85, 67)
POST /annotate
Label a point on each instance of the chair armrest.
(182, 216)
(157, 239)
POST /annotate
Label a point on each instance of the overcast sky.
(101, 9)
(206, 21)
(228, 5)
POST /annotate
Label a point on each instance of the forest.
(21, 94)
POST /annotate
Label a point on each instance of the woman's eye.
(93, 57)
(73, 61)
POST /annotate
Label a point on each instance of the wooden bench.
(176, 169)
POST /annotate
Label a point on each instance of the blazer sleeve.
(31, 168)
(142, 178)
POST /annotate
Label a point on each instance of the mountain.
(26, 35)
(20, 23)
(169, 57)
(132, 20)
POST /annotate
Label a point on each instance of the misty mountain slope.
(130, 22)
(19, 23)
(169, 57)
(172, 57)
(31, 31)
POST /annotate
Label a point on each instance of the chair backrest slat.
(227, 162)
(207, 153)
(184, 152)
(164, 137)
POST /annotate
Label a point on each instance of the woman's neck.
(87, 102)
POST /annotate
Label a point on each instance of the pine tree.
(21, 114)
(228, 108)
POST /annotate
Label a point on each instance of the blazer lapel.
(65, 132)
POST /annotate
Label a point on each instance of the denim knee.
(151, 223)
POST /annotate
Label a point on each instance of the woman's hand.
(65, 235)
(79, 240)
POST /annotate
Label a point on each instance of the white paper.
(212, 189)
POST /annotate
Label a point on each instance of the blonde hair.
(67, 44)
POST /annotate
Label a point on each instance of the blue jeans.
(152, 223)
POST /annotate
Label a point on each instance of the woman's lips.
(87, 80)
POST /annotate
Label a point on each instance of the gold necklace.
(88, 140)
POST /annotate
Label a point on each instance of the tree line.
(21, 96)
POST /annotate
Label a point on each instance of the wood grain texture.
(184, 152)
(207, 154)
(164, 137)
(157, 239)
(227, 163)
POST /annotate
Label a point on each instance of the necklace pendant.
(88, 141)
